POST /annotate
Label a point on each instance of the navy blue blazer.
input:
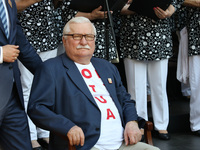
(9, 72)
(61, 99)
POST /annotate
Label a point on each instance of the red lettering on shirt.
(86, 73)
(110, 114)
(93, 87)
(102, 101)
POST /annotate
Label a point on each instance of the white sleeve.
(1, 55)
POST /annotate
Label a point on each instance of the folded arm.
(192, 3)
(95, 14)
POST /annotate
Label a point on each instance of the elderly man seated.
(84, 99)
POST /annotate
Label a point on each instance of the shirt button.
(10, 67)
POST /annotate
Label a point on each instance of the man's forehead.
(80, 26)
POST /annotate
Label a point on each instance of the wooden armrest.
(147, 132)
(71, 147)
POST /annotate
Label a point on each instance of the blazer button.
(97, 129)
(10, 67)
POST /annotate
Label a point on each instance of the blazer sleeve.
(42, 103)
(27, 55)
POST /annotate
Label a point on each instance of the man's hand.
(76, 136)
(132, 133)
(10, 53)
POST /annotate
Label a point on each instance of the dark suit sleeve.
(28, 55)
(42, 103)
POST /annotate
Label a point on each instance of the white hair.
(77, 20)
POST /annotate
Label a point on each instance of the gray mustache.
(81, 46)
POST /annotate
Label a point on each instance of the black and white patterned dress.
(145, 39)
(193, 27)
(180, 18)
(43, 25)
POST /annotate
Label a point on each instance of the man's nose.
(83, 41)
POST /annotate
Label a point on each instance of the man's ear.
(63, 40)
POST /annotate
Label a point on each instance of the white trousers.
(137, 73)
(194, 78)
(182, 73)
(26, 79)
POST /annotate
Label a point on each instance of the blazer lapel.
(2, 28)
(105, 76)
(76, 77)
(11, 16)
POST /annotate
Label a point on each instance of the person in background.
(84, 99)
(146, 46)
(14, 130)
(42, 24)
(193, 29)
(182, 74)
